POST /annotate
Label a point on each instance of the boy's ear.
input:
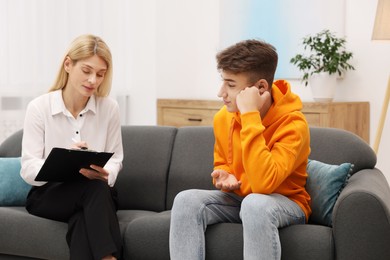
(262, 85)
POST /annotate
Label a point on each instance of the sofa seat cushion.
(15, 257)
(298, 242)
(152, 232)
(307, 242)
(127, 216)
(26, 235)
(148, 237)
(228, 248)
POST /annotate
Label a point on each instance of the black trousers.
(89, 207)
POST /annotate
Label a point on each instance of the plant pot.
(323, 86)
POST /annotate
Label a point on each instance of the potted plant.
(324, 60)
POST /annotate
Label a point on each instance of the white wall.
(369, 81)
(187, 41)
(166, 49)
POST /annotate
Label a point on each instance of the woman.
(76, 113)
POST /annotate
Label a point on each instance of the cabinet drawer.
(313, 119)
(188, 117)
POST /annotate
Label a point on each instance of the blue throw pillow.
(13, 189)
(324, 184)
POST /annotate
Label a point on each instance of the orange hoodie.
(270, 154)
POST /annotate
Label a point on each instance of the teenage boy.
(262, 144)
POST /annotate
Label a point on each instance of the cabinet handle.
(195, 119)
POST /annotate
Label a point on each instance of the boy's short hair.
(256, 58)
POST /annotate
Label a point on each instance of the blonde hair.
(83, 47)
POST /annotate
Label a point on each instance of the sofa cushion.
(336, 146)
(298, 242)
(148, 237)
(27, 235)
(12, 146)
(324, 184)
(192, 161)
(13, 189)
(307, 242)
(232, 235)
(141, 183)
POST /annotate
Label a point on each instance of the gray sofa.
(161, 161)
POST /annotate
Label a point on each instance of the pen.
(75, 141)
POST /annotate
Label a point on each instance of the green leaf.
(326, 53)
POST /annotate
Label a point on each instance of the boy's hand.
(250, 99)
(225, 181)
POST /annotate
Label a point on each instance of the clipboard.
(63, 165)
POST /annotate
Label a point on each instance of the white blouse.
(49, 124)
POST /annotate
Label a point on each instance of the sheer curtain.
(34, 36)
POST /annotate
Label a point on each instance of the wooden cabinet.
(183, 112)
(351, 116)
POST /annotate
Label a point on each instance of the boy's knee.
(256, 205)
(183, 197)
(190, 201)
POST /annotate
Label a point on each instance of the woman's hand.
(96, 173)
(79, 145)
(225, 181)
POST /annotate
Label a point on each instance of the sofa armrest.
(361, 217)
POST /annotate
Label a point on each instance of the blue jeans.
(261, 216)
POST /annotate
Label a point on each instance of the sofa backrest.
(192, 158)
(337, 146)
(192, 161)
(161, 161)
(142, 182)
(12, 146)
